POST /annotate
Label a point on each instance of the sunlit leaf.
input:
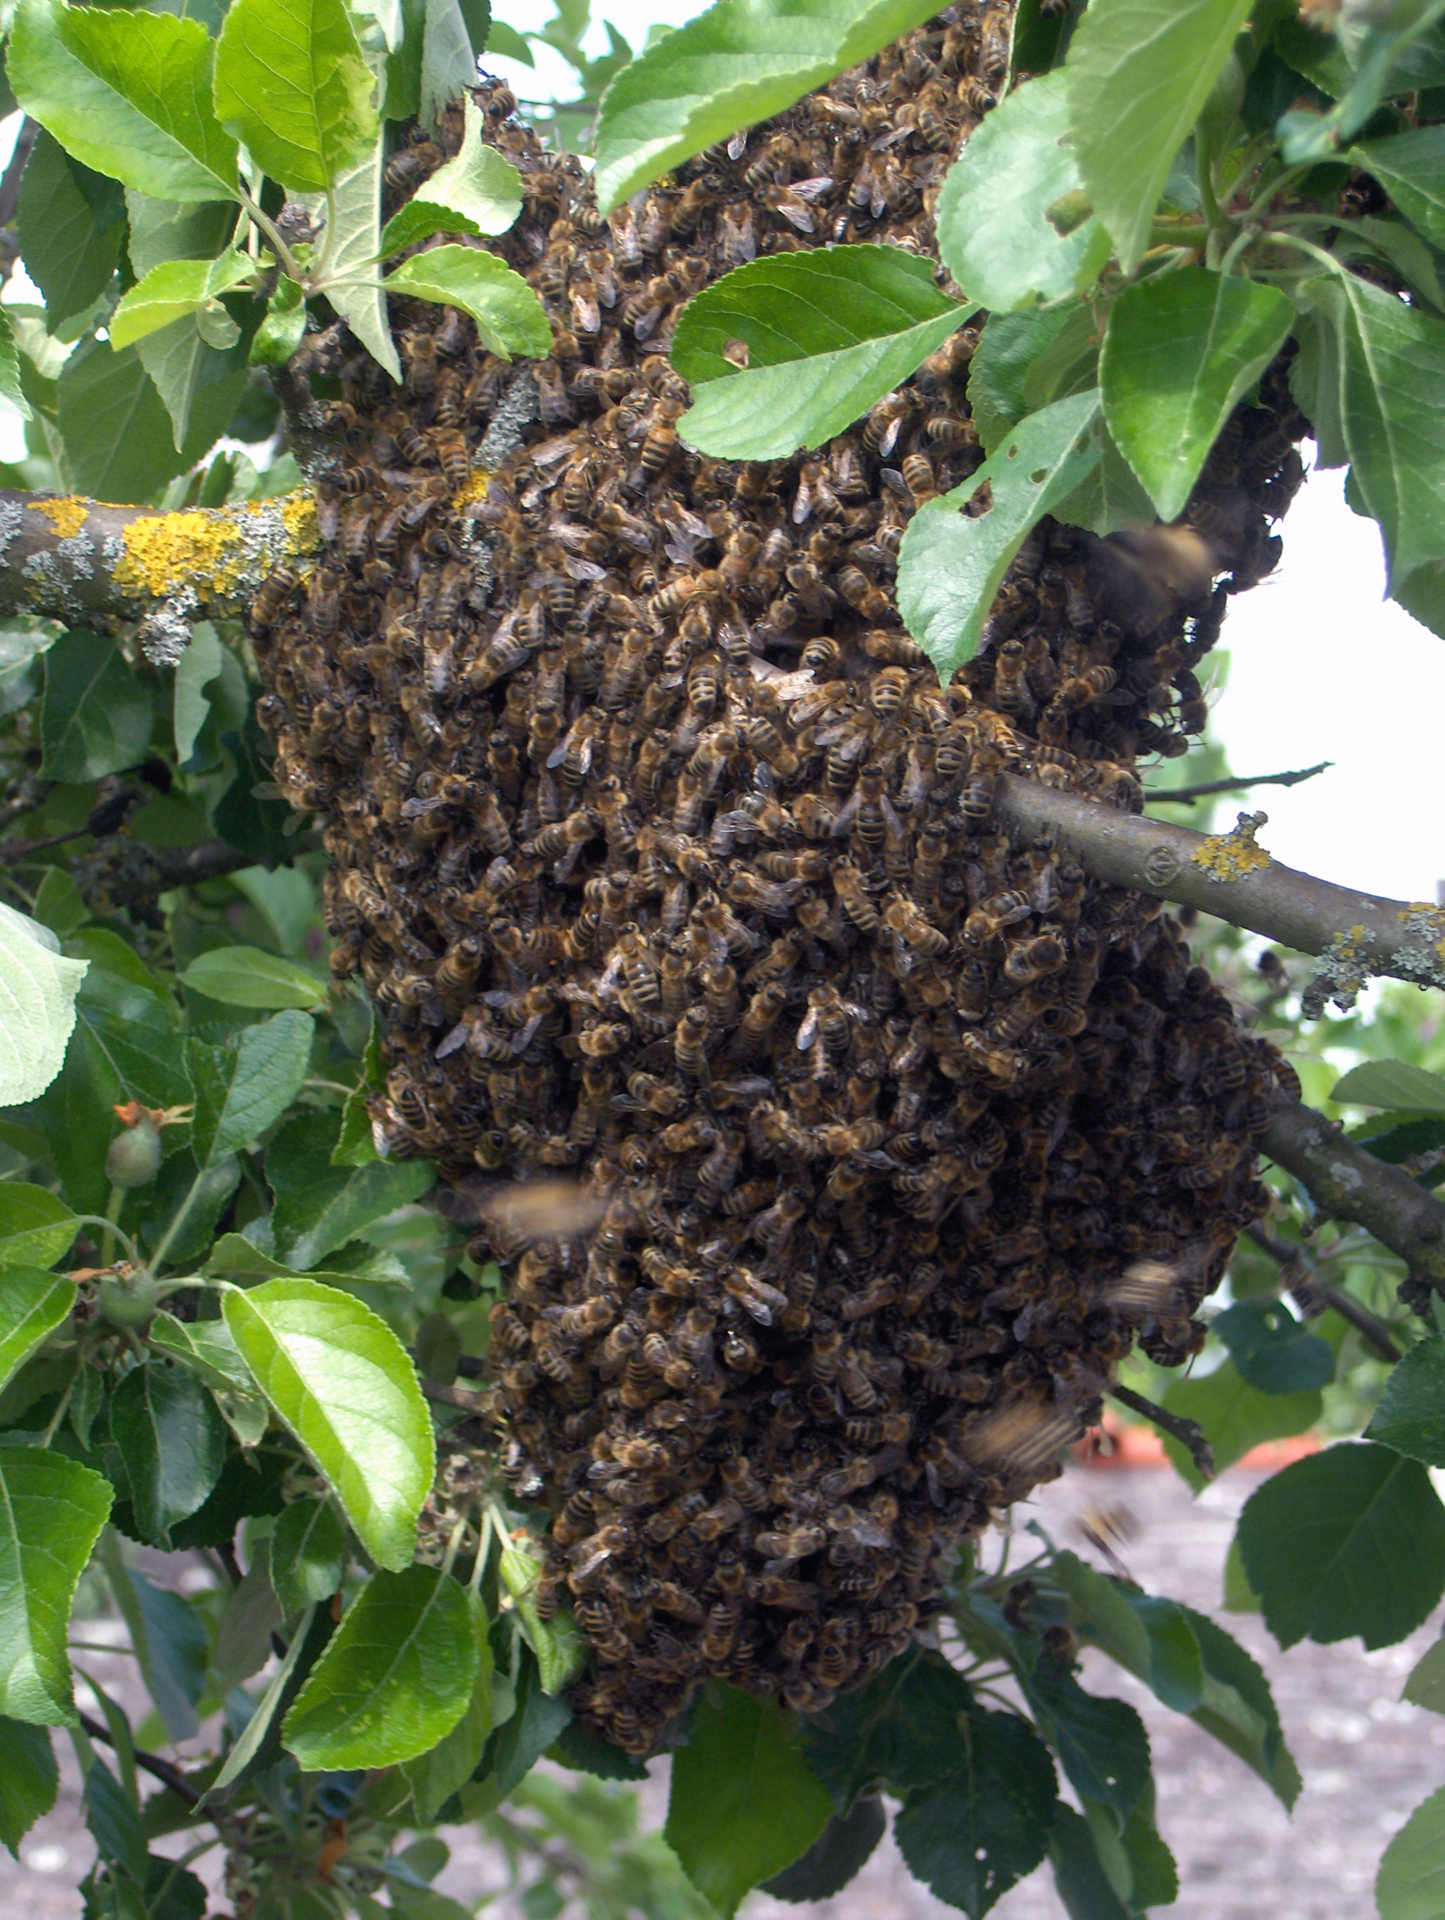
(250, 977)
(292, 84)
(825, 334)
(510, 318)
(32, 1305)
(38, 986)
(174, 291)
(36, 1226)
(740, 62)
(340, 1379)
(51, 1513)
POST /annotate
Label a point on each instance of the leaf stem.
(109, 1226)
(59, 1414)
(113, 1206)
(268, 226)
(178, 1220)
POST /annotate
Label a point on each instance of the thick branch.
(1354, 934)
(1348, 1183)
(77, 559)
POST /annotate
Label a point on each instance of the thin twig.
(150, 1763)
(455, 1397)
(1186, 796)
(10, 179)
(1307, 1289)
(1187, 1432)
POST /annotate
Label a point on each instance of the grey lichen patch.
(1341, 970)
(1356, 956)
(165, 633)
(11, 516)
(516, 409)
(49, 584)
(78, 552)
(1421, 954)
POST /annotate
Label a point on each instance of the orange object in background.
(1117, 1443)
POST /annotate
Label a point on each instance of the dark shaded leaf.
(835, 1856)
(1411, 1414)
(173, 1443)
(95, 716)
(1272, 1350)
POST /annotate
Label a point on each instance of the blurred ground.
(1367, 1758)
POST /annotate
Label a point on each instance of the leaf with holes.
(951, 563)
(1272, 1350)
(340, 1379)
(790, 350)
(1349, 1541)
(1008, 228)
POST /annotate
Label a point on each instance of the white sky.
(1322, 668)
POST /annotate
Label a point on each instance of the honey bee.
(275, 590)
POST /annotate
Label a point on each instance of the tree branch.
(1187, 1432)
(1353, 934)
(455, 1397)
(75, 559)
(1186, 796)
(150, 1763)
(1314, 1294)
(1348, 1183)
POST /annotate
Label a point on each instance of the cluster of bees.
(859, 1145)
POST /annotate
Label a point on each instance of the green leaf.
(118, 432)
(250, 1617)
(36, 1228)
(1239, 1595)
(587, 1752)
(537, 1719)
(13, 397)
(1426, 1684)
(173, 1443)
(250, 977)
(128, 94)
(207, 1349)
(901, 1729)
(96, 715)
(32, 1305)
(161, 230)
(1175, 1667)
(308, 1553)
(1272, 1350)
(354, 246)
(1384, 53)
(1238, 1708)
(29, 1780)
(510, 318)
(291, 83)
(174, 291)
(1079, 1874)
(1407, 1886)
(744, 1802)
(1411, 169)
(51, 1513)
(395, 1678)
(555, 1641)
(259, 1745)
(68, 254)
(420, 220)
(1349, 1541)
(1007, 348)
(1180, 350)
(828, 333)
(843, 1846)
(1396, 1085)
(1101, 1742)
(980, 1828)
(435, 1776)
(283, 329)
(1380, 376)
(1139, 72)
(114, 1822)
(37, 1006)
(950, 565)
(319, 1207)
(1235, 1417)
(1109, 497)
(477, 182)
(240, 1091)
(995, 232)
(339, 1378)
(740, 62)
(1410, 1416)
(59, 904)
(197, 667)
(448, 63)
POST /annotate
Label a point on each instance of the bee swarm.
(669, 864)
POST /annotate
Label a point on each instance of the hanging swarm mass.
(670, 868)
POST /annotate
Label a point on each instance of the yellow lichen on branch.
(215, 552)
(66, 515)
(1229, 856)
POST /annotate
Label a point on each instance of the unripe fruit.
(128, 1300)
(134, 1157)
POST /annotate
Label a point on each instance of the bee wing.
(808, 1030)
(456, 1038)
